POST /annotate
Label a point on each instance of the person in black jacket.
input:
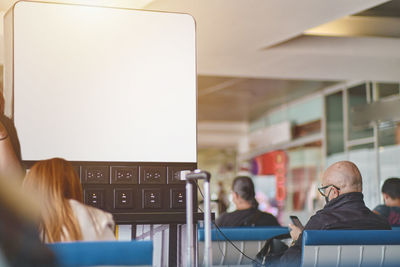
(345, 209)
(246, 213)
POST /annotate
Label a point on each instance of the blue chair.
(258, 233)
(249, 240)
(71, 254)
(363, 248)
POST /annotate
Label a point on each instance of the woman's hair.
(392, 187)
(55, 181)
(244, 187)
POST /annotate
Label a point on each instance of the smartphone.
(297, 222)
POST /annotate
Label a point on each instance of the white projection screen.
(103, 84)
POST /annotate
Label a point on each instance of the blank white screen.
(103, 84)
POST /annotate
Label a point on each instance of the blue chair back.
(249, 240)
(96, 253)
(351, 248)
(258, 233)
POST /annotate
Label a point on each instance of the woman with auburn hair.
(63, 215)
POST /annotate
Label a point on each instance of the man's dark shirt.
(346, 212)
(248, 217)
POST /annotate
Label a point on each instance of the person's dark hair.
(392, 187)
(244, 187)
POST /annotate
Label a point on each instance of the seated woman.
(246, 213)
(63, 215)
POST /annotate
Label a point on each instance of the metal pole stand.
(191, 178)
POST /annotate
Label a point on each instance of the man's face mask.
(322, 191)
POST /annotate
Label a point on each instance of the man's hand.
(294, 231)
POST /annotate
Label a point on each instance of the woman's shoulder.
(91, 218)
(82, 209)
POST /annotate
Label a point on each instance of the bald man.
(344, 209)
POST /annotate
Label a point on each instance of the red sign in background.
(273, 163)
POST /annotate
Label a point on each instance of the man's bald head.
(345, 175)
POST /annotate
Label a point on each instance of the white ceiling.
(233, 35)
(268, 45)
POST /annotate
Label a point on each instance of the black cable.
(238, 249)
(198, 187)
(219, 245)
(226, 238)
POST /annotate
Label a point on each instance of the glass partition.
(375, 149)
(387, 89)
(357, 95)
(334, 123)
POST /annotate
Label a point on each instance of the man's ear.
(337, 192)
(234, 194)
(386, 199)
